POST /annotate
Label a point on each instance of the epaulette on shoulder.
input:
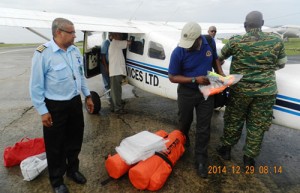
(41, 48)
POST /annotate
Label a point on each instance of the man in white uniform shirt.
(56, 81)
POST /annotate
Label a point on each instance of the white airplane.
(148, 57)
(288, 31)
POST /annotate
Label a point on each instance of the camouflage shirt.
(256, 55)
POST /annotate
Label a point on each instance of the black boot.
(248, 161)
(224, 152)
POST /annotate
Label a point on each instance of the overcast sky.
(276, 12)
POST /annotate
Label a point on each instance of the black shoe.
(61, 189)
(77, 177)
(248, 161)
(202, 170)
(224, 152)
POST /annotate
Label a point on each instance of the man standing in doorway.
(117, 71)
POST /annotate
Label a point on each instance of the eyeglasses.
(69, 32)
(213, 31)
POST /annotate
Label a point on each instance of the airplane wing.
(43, 19)
(40, 19)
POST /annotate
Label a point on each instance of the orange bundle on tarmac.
(153, 172)
(117, 167)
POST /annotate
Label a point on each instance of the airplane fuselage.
(147, 61)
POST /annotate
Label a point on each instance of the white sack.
(32, 166)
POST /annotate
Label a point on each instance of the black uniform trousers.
(63, 139)
(188, 100)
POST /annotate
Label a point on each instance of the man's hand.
(90, 104)
(203, 80)
(47, 120)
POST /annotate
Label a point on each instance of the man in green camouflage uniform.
(256, 55)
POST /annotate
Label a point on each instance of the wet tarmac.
(103, 132)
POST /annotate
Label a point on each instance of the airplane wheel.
(97, 103)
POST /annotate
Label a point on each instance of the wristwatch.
(193, 80)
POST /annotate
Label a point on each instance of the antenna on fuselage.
(136, 10)
(171, 15)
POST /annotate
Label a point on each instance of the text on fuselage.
(141, 76)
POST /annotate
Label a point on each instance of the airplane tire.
(97, 103)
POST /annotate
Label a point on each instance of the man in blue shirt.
(189, 63)
(105, 63)
(55, 85)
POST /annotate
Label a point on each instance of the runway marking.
(14, 50)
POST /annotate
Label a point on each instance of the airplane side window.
(156, 51)
(137, 46)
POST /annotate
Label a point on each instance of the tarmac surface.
(104, 131)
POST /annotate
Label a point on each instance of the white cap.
(190, 32)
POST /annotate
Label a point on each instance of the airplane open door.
(92, 53)
(92, 61)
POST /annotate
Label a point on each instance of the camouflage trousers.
(256, 113)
